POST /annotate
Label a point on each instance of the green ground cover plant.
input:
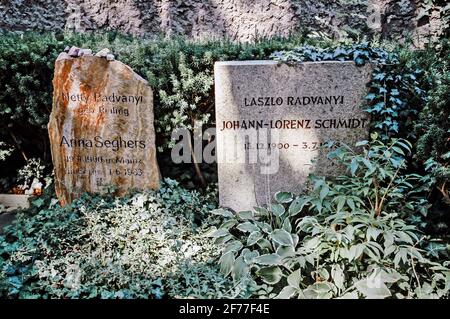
(343, 238)
(145, 245)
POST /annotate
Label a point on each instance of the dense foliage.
(146, 245)
(407, 98)
(343, 238)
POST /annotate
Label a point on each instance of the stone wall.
(238, 20)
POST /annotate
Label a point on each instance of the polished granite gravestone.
(272, 118)
(101, 128)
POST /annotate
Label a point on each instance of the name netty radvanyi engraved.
(293, 124)
(98, 97)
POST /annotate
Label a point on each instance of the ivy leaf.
(378, 107)
(370, 96)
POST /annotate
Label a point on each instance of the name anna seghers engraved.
(294, 100)
(99, 142)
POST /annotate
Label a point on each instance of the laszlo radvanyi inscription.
(272, 120)
(101, 128)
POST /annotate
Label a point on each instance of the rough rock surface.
(240, 20)
(101, 128)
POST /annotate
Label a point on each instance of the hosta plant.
(343, 238)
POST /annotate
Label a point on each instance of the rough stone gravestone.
(272, 118)
(101, 128)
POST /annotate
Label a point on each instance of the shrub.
(345, 238)
(146, 245)
(407, 99)
(433, 131)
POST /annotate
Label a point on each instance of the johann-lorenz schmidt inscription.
(270, 130)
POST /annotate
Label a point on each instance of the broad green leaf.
(222, 240)
(228, 224)
(353, 166)
(253, 238)
(341, 203)
(282, 237)
(268, 260)
(222, 212)
(240, 269)
(277, 209)
(226, 263)
(295, 278)
(312, 243)
(264, 227)
(361, 143)
(389, 250)
(249, 256)
(247, 227)
(264, 244)
(349, 295)
(286, 251)
(287, 225)
(297, 205)
(286, 293)
(373, 233)
(235, 246)
(372, 289)
(270, 275)
(261, 211)
(283, 197)
(404, 237)
(337, 275)
(351, 203)
(245, 215)
(220, 233)
(324, 192)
